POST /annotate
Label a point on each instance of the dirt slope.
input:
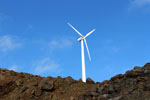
(133, 85)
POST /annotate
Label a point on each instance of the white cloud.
(140, 3)
(55, 44)
(46, 65)
(14, 67)
(8, 43)
(60, 43)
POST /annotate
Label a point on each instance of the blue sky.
(35, 37)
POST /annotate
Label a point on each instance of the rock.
(102, 98)
(19, 82)
(118, 98)
(23, 89)
(105, 95)
(59, 77)
(147, 65)
(12, 73)
(133, 85)
(72, 98)
(142, 79)
(36, 92)
(46, 85)
(90, 81)
(54, 97)
(2, 77)
(117, 88)
(80, 80)
(138, 69)
(94, 91)
(147, 71)
(110, 90)
(105, 82)
(146, 86)
(35, 83)
(131, 74)
(69, 80)
(119, 76)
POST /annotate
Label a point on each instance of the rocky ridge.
(133, 85)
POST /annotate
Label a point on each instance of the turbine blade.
(75, 29)
(90, 33)
(87, 49)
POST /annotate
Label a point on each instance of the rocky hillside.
(133, 85)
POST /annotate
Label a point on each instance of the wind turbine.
(81, 39)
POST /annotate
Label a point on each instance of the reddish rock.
(89, 80)
(133, 85)
(119, 76)
(131, 74)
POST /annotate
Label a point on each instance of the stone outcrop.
(133, 85)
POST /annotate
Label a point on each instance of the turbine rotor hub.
(81, 38)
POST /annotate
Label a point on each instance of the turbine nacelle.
(80, 38)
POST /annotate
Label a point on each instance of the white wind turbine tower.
(81, 39)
